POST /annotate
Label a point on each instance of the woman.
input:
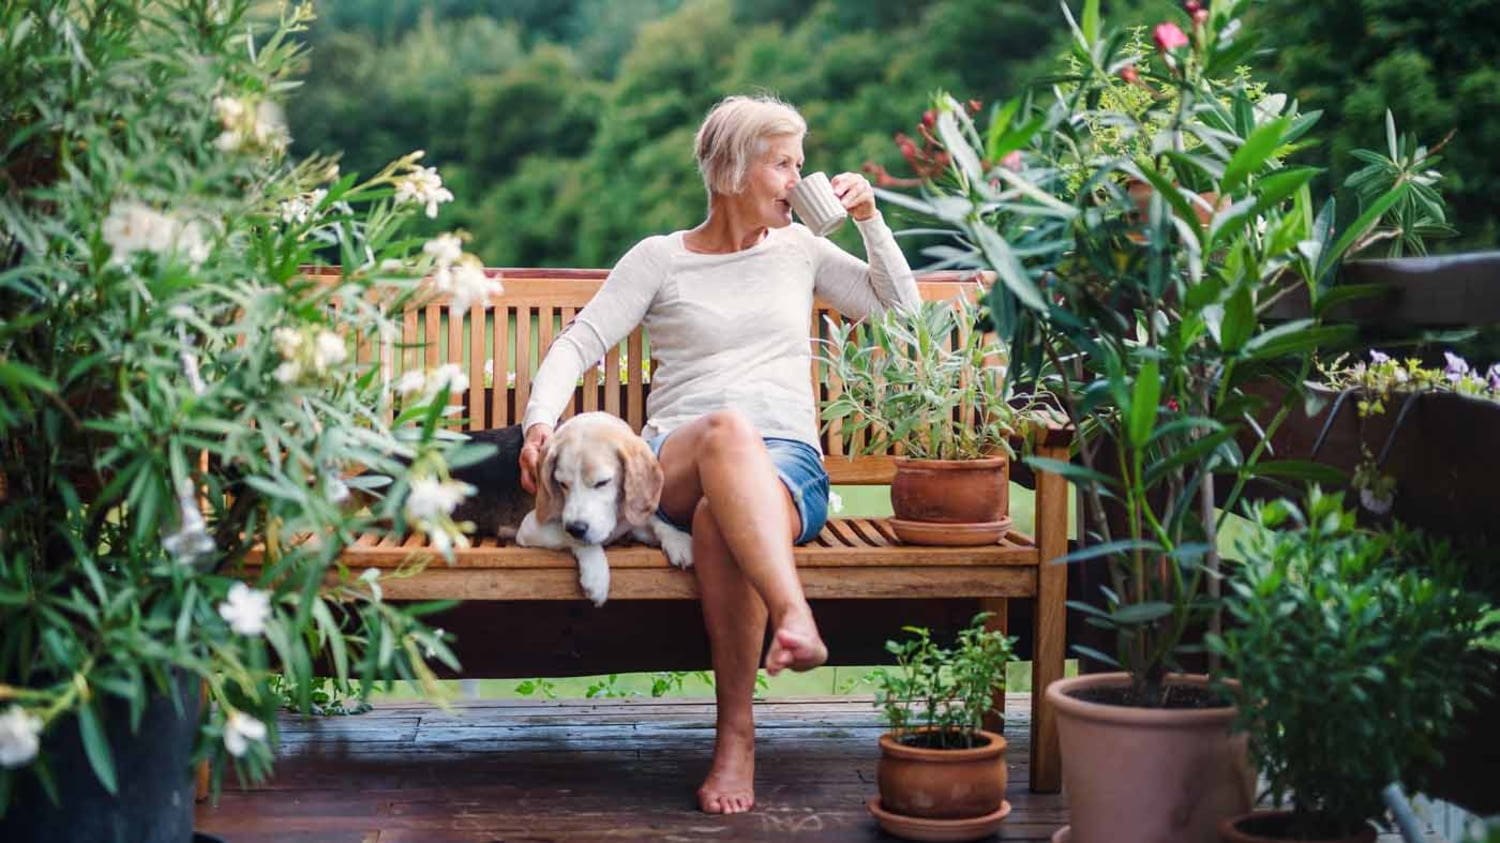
(732, 417)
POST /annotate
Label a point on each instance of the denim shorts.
(800, 467)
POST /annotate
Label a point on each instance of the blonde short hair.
(733, 136)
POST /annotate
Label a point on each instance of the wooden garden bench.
(852, 557)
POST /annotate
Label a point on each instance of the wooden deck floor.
(579, 770)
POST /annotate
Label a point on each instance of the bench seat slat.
(851, 550)
(561, 583)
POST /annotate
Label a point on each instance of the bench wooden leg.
(1050, 625)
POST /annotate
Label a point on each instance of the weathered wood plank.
(502, 769)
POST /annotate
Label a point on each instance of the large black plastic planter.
(154, 772)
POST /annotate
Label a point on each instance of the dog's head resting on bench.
(597, 479)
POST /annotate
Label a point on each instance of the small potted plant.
(940, 770)
(928, 381)
(1353, 651)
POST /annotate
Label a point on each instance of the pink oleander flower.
(1200, 17)
(1169, 36)
(1012, 161)
(1130, 75)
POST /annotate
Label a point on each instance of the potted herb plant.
(940, 771)
(928, 381)
(1353, 651)
(1144, 315)
(174, 393)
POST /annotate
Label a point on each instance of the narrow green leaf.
(1012, 274)
(96, 747)
(1094, 551)
(1303, 470)
(1090, 22)
(1143, 403)
(1253, 154)
(1357, 229)
(1239, 321)
(1296, 338)
(1076, 473)
(1142, 612)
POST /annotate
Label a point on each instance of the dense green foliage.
(565, 126)
(174, 395)
(1431, 63)
(1353, 651)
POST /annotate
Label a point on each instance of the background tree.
(566, 127)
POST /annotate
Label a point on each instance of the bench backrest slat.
(509, 334)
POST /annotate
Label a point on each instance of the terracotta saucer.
(1063, 835)
(950, 535)
(918, 828)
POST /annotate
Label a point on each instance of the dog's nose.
(576, 529)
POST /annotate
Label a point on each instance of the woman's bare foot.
(795, 645)
(730, 786)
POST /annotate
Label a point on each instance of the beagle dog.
(598, 482)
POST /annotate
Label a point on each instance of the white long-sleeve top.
(727, 331)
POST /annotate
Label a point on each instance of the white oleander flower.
(329, 350)
(424, 186)
(335, 488)
(20, 737)
(470, 285)
(288, 372)
(411, 383)
(229, 110)
(299, 209)
(443, 539)
(263, 127)
(246, 610)
(450, 375)
(445, 249)
(432, 498)
(269, 129)
(239, 730)
(132, 227)
(288, 342)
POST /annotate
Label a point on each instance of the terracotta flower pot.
(1265, 826)
(942, 783)
(1144, 775)
(951, 502)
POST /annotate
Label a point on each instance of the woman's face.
(770, 180)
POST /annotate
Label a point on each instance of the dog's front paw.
(595, 582)
(677, 545)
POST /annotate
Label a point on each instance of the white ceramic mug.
(815, 203)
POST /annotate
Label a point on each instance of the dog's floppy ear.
(548, 495)
(643, 480)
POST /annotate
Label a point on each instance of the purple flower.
(1457, 367)
(1377, 357)
(1493, 377)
